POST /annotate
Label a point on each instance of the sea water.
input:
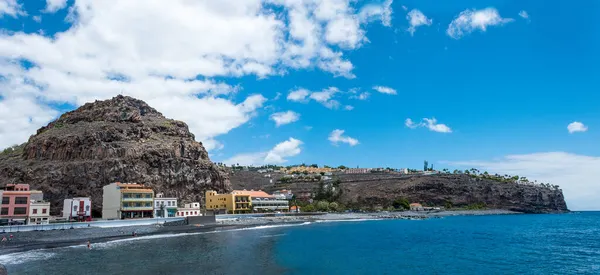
(504, 244)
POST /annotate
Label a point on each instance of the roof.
(255, 194)
(415, 204)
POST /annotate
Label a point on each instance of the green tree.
(322, 206)
(342, 167)
(334, 206)
(314, 165)
(401, 203)
(308, 208)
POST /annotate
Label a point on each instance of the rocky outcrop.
(373, 191)
(452, 190)
(121, 139)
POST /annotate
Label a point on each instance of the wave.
(27, 256)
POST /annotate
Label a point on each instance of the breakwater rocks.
(121, 139)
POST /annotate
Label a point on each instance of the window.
(87, 208)
(6, 200)
(21, 200)
(157, 204)
(148, 196)
(74, 207)
(195, 212)
(137, 204)
(4, 211)
(34, 211)
(138, 196)
(20, 210)
(148, 204)
(187, 213)
(44, 211)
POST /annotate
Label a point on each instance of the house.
(15, 202)
(164, 207)
(294, 209)
(39, 212)
(79, 209)
(189, 209)
(127, 201)
(416, 207)
(283, 194)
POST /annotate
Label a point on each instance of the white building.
(39, 212)
(189, 209)
(79, 209)
(164, 207)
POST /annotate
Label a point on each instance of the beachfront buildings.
(164, 207)
(79, 209)
(233, 202)
(416, 207)
(189, 209)
(127, 201)
(15, 202)
(242, 201)
(39, 212)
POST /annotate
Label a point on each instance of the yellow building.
(234, 202)
(242, 201)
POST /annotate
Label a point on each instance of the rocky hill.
(121, 139)
(459, 191)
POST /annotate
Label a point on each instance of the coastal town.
(22, 205)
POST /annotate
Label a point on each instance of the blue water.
(515, 244)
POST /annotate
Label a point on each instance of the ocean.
(502, 244)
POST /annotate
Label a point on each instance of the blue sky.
(503, 79)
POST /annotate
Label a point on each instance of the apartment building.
(127, 201)
(164, 206)
(15, 202)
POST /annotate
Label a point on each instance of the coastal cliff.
(121, 139)
(379, 190)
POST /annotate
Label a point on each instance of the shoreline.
(41, 240)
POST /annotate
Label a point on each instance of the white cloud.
(385, 90)
(37, 18)
(576, 126)
(325, 97)
(415, 19)
(576, 174)
(410, 124)
(156, 51)
(524, 14)
(361, 96)
(277, 155)
(429, 123)
(283, 118)
(348, 107)
(55, 5)
(11, 8)
(337, 136)
(298, 95)
(471, 20)
(277, 96)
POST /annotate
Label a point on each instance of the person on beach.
(11, 237)
(3, 238)
(89, 245)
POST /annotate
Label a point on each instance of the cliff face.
(380, 190)
(457, 190)
(121, 139)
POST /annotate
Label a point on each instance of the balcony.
(137, 199)
(136, 208)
